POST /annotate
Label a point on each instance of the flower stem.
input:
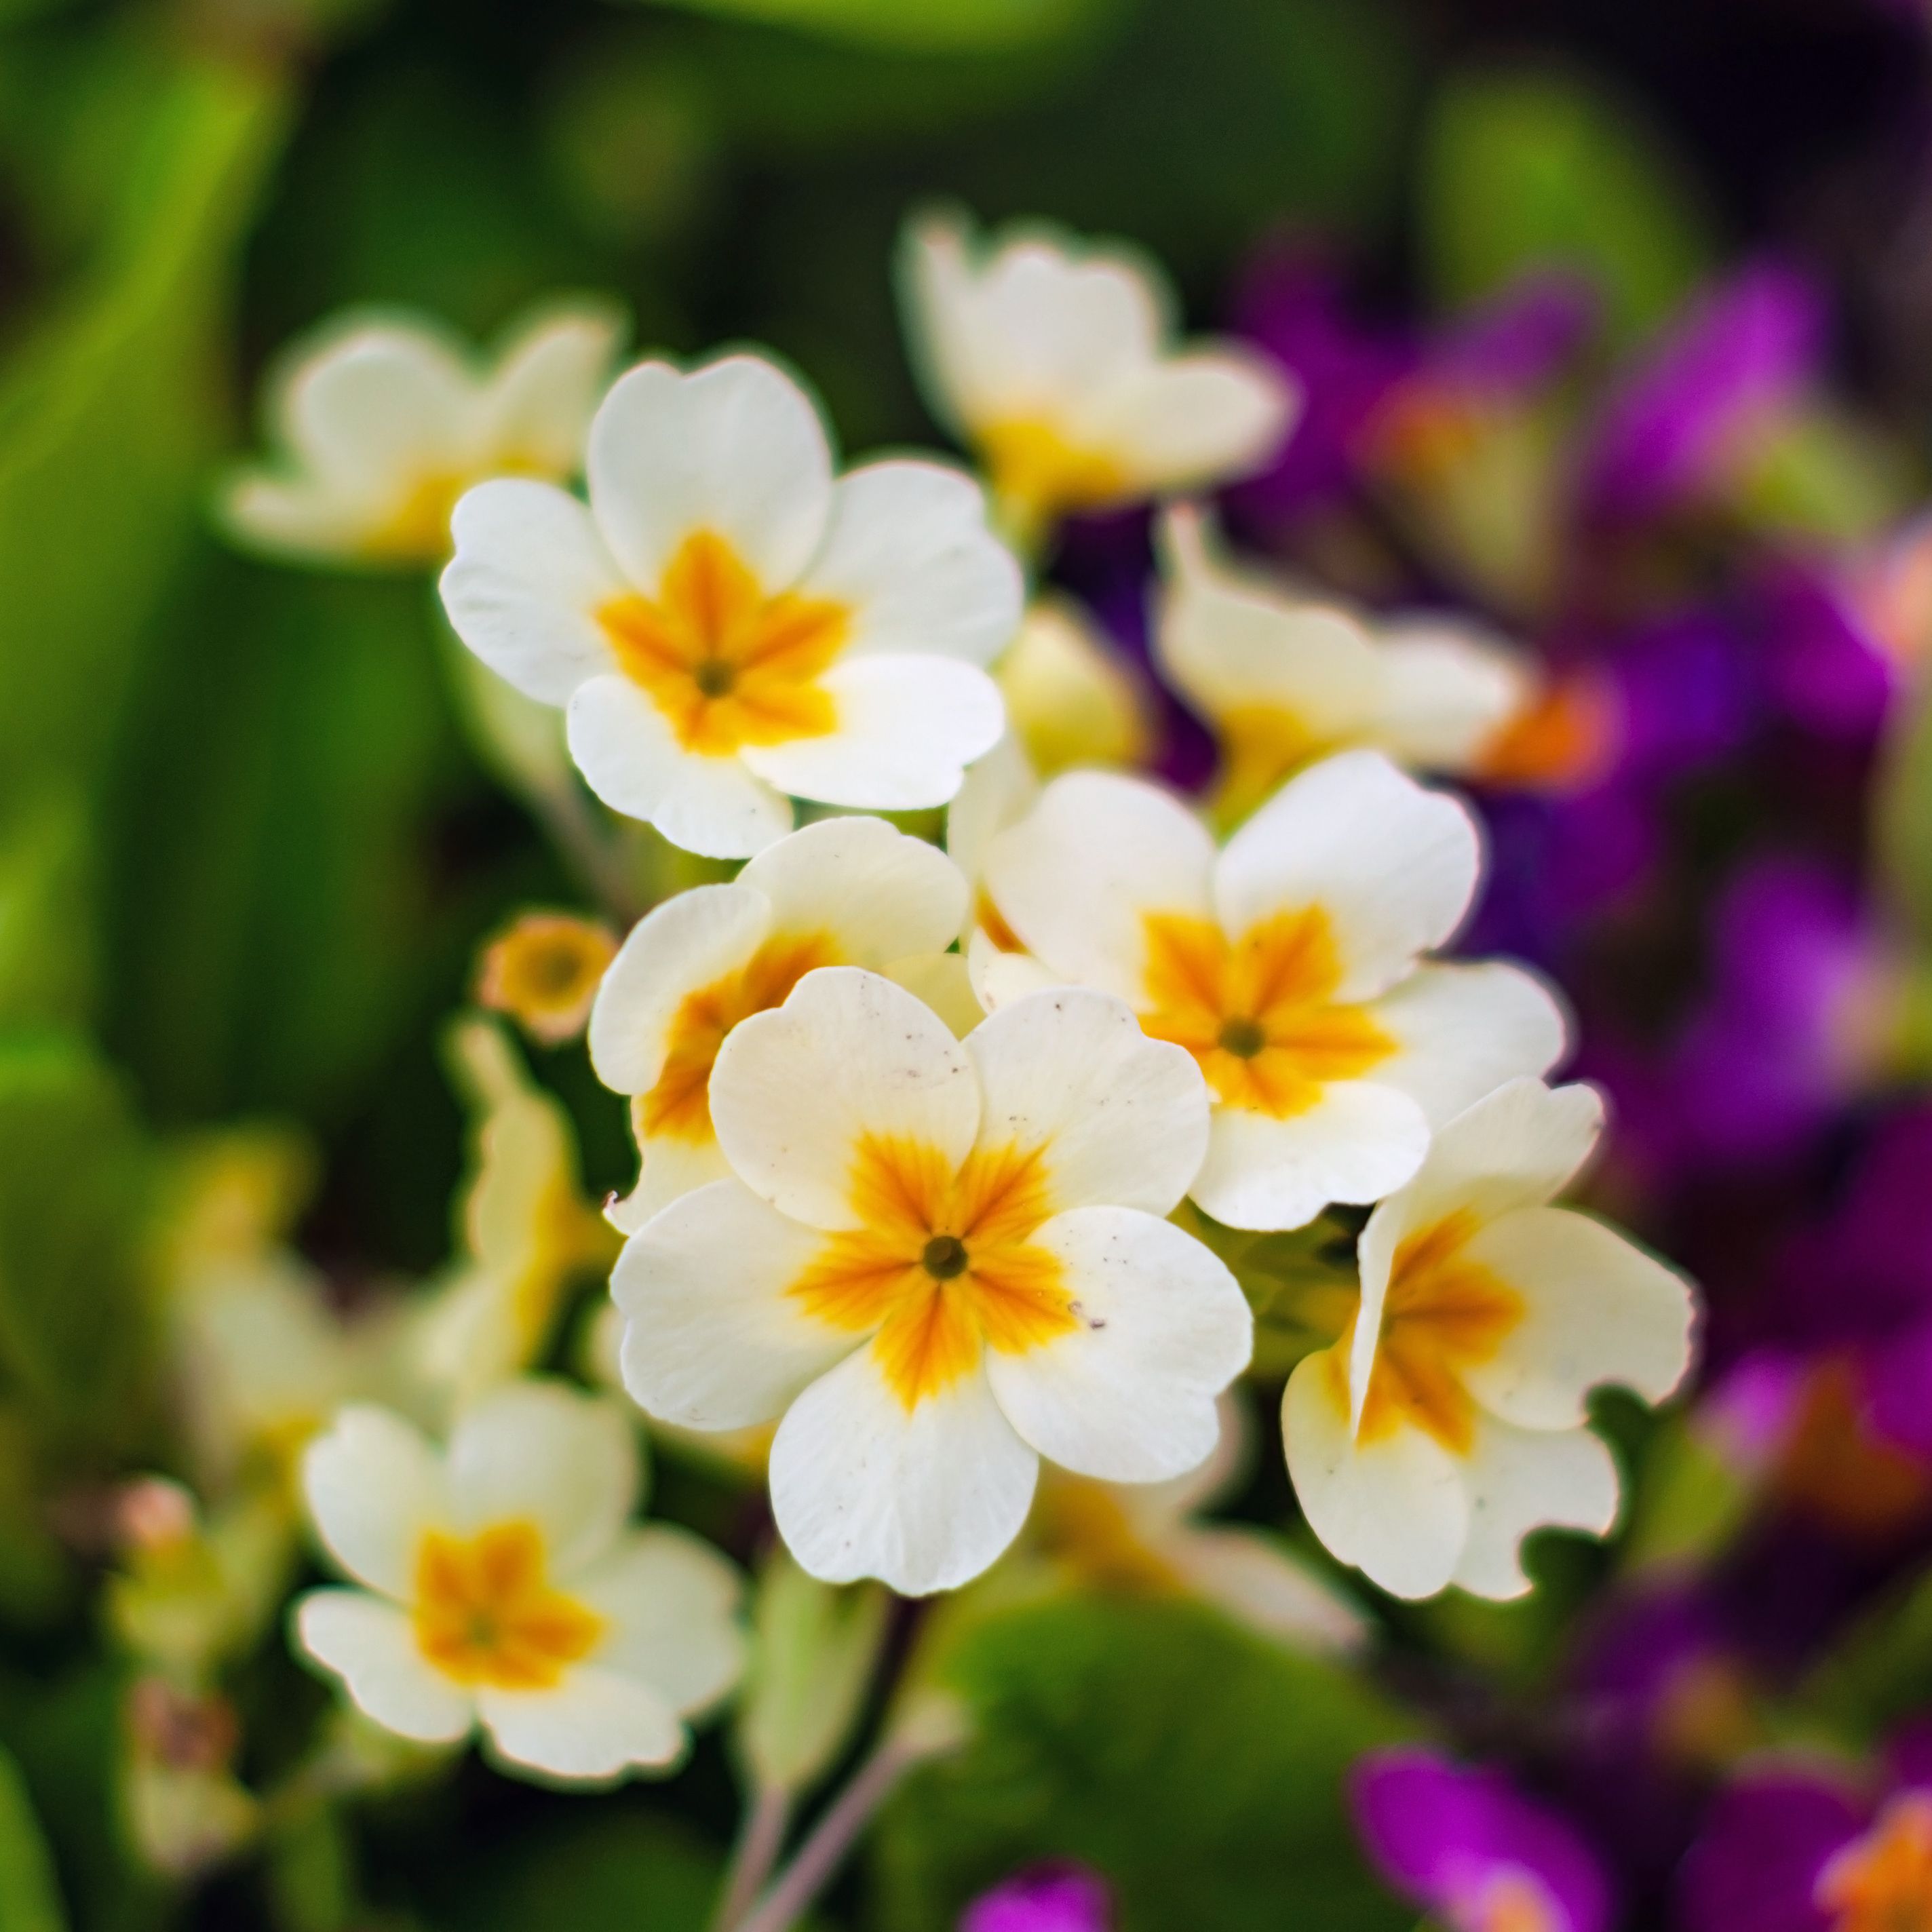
(573, 828)
(761, 1838)
(824, 1850)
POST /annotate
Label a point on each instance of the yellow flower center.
(680, 1103)
(486, 1614)
(1443, 1315)
(943, 1262)
(1039, 474)
(1257, 1013)
(1883, 1883)
(544, 972)
(726, 665)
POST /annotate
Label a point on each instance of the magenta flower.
(1793, 1848)
(1469, 1849)
(1048, 1898)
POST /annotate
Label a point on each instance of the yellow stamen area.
(1082, 1524)
(486, 1615)
(726, 664)
(680, 1104)
(1257, 1013)
(543, 971)
(1261, 746)
(1443, 1315)
(942, 1262)
(1883, 1883)
(418, 527)
(1039, 474)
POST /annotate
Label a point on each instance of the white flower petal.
(1256, 1580)
(1463, 1030)
(1357, 1142)
(374, 1485)
(1448, 689)
(909, 553)
(670, 1604)
(671, 1168)
(876, 893)
(1001, 979)
(735, 448)
(924, 1501)
(1129, 1394)
(997, 792)
(908, 727)
(1075, 877)
(300, 517)
(380, 405)
(1396, 1508)
(372, 1647)
(1598, 1309)
(848, 1055)
(1393, 865)
(678, 948)
(941, 981)
(1203, 417)
(547, 381)
(1122, 1118)
(529, 575)
(593, 1726)
(630, 759)
(713, 1339)
(1520, 1480)
(539, 1452)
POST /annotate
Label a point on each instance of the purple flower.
(1827, 671)
(1791, 1849)
(1721, 377)
(1468, 1848)
(1048, 1898)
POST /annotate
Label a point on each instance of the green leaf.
(1524, 169)
(29, 1899)
(1197, 1767)
(48, 962)
(75, 1174)
(928, 26)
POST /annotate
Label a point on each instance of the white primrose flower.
(381, 422)
(937, 1261)
(1447, 1422)
(1284, 678)
(1055, 360)
(1289, 964)
(503, 1584)
(844, 891)
(728, 622)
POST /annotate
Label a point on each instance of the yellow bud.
(543, 971)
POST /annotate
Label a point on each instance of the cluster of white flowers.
(919, 1126)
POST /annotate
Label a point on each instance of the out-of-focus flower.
(955, 1251)
(185, 1810)
(1284, 679)
(1055, 361)
(1797, 1847)
(1287, 964)
(503, 1584)
(543, 970)
(1070, 699)
(1146, 1538)
(845, 891)
(1448, 1421)
(1471, 1850)
(728, 622)
(383, 423)
(527, 1231)
(1048, 1898)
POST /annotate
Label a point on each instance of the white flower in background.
(1447, 1422)
(728, 622)
(1055, 361)
(527, 1231)
(382, 422)
(845, 891)
(1071, 699)
(1284, 679)
(1143, 1538)
(938, 1260)
(1287, 964)
(501, 1583)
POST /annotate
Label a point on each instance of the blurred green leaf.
(74, 1178)
(47, 953)
(1197, 1767)
(1902, 830)
(1524, 169)
(29, 1899)
(923, 24)
(1878, 1668)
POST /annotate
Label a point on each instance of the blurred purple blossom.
(1049, 1898)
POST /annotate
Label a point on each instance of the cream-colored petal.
(1520, 1480)
(374, 1485)
(1463, 1030)
(593, 1727)
(670, 1603)
(550, 375)
(997, 791)
(1257, 1580)
(943, 982)
(371, 1646)
(1198, 418)
(849, 1056)
(671, 1166)
(1448, 688)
